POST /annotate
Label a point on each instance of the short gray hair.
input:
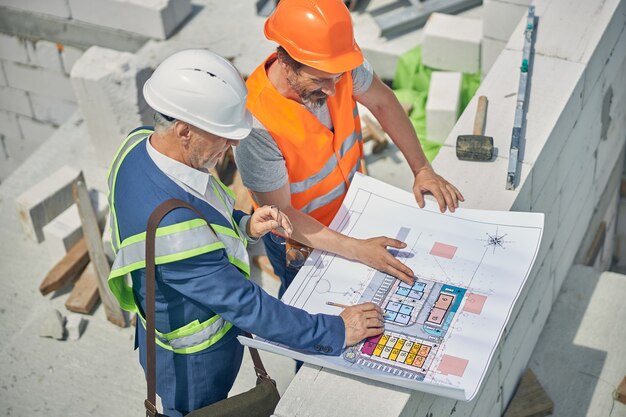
(161, 123)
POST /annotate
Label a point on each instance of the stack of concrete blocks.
(500, 18)
(570, 157)
(108, 86)
(154, 18)
(65, 230)
(442, 107)
(452, 43)
(44, 201)
(35, 95)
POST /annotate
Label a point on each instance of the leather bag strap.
(153, 222)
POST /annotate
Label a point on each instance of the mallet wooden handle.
(481, 112)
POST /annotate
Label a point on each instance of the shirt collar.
(193, 178)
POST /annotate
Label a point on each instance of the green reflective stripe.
(242, 265)
(190, 335)
(122, 292)
(225, 231)
(179, 238)
(200, 347)
(226, 189)
(236, 247)
(229, 207)
(130, 142)
(165, 230)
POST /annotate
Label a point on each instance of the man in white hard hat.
(203, 296)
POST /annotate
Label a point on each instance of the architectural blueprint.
(441, 332)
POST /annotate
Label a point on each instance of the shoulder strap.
(153, 222)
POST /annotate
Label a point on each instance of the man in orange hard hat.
(306, 145)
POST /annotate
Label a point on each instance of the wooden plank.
(377, 134)
(530, 399)
(85, 293)
(620, 395)
(67, 269)
(92, 234)
(596, 245)
(364, 166)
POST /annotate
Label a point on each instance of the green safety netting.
(410, 85)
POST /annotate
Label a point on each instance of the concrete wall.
(35, 95)
(40, 40)
(499, 20)
(572, 157)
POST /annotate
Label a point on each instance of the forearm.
(392, 118)
(310, 232)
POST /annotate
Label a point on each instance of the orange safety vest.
(320, 162)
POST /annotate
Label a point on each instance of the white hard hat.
(202, 89)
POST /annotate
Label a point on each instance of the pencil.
(330, 303)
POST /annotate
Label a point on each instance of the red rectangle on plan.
(444, 301)
(443, 251)
(436, 316)
(474, 303)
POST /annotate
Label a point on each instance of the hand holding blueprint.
(441, 332)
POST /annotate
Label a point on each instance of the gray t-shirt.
(258, 157)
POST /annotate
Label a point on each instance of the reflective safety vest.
(174, 242)
(320, 162)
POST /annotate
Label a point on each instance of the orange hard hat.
(317, 33)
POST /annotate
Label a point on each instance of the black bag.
(260, 401)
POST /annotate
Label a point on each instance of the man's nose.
(329, 88)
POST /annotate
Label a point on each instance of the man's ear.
(183, 131)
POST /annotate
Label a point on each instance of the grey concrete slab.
(580, 356)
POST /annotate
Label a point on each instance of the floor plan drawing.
(441, 331)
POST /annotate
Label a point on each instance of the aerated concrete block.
(579, 340)
(57, 8)
(489, 51)
(51, 110)
(75, 325)
(66, 229)
(34, 130)
(15, 101)
(442, 107)
(52, 324)
(38, 80)
(3, 77)
(108, 89)
(69, 56)
(13, 48)
(45, 54)
(153, 18)
(452, 43)
(500, 18)
(44, 201)
(9, 126)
